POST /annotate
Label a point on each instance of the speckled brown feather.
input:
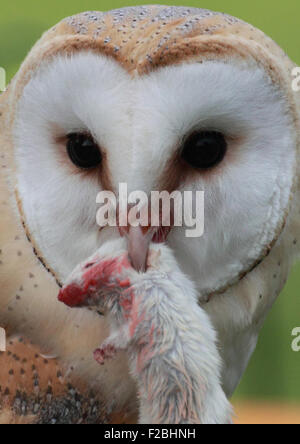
(141, 39)
(149, 37)
(35, 389)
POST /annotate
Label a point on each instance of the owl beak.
(138, 246)
(140, 237)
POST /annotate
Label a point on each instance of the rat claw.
(105, 352)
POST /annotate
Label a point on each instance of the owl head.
(159, 98)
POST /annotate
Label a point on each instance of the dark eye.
(204, 149)
(83, 151)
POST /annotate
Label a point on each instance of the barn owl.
(159, 98)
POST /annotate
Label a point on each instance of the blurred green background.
(274, 372)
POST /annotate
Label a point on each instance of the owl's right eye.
(83, 151)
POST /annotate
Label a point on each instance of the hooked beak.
(138, 247)
(139, 239)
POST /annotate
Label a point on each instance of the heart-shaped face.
(212, 127)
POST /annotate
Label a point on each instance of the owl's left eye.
(83, 151)
(205, 149)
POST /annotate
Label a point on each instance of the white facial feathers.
(140, 123)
